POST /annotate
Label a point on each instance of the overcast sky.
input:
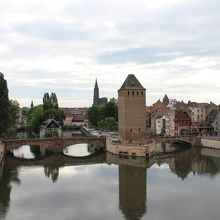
(172, 46)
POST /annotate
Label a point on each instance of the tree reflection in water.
(8, 175)
(52, 172)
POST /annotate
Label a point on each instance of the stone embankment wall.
(212, 143)
(131, 150)
(2, 151)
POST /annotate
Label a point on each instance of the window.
(137, 93)
(131, 130)
(139, 130)
(132, 92)
(142, 93)
(128, 93)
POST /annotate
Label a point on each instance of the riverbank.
(211, 142)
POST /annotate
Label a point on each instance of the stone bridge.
(54, 144)
(194, 141)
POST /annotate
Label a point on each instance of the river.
(176, 185)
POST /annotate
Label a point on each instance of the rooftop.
(131, 82)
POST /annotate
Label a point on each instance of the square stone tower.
(131, 112)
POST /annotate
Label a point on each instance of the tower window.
(132, 92)
(142, 93)
(131, 130)
(137, 93)
(139, 130)
(128, 93)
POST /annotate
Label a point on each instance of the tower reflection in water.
(132, 191)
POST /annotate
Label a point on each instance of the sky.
(172, 47)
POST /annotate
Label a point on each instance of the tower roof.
(166, 100)
(96, 83)
(131, 82)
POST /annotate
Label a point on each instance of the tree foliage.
(50, 101)
(13, 113)
(48, 110)
(100, 115)
(4, 105)
(108, 124)
(8, 109)
(36, 117)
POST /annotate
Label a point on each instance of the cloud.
(63, 46)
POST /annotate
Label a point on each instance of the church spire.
(96, 83)
(96, 94)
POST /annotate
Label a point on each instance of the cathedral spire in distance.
(96, 94)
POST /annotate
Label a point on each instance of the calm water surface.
(171, 186)
(79, 150)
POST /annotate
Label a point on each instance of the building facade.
(214, 119)
(50, 128)
(182, 122)
(165, 125)
(131, 110)
(197, 111)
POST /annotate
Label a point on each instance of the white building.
(165, 125)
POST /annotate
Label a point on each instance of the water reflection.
(30, 152)
(132, 191)
(8, 176)
(80, 150)
(52, 172)
(99, 185)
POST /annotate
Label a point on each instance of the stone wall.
(210, 143)
(130, 149)
(132, 116)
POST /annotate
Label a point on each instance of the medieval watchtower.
(131, 111)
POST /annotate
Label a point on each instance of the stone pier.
(114, 146)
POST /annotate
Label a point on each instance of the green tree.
(93, 115)
(56, 114)
(4, 105)
(54, 100)
(50, 101)
(36, 118)
(98, 113)
(32, 104)
(50, 109)
(108, 124)
(13, 111)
